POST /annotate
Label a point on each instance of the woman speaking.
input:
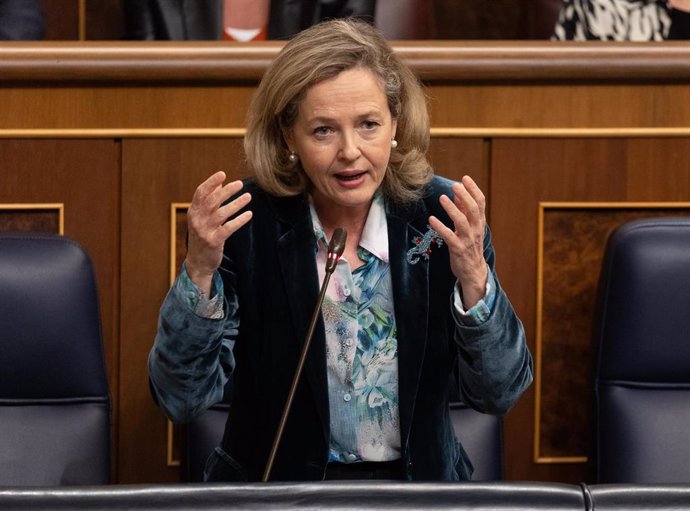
(337, 133)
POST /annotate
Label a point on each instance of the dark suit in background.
(21, 20)
(180, 20)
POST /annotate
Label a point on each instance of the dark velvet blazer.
(269, 272)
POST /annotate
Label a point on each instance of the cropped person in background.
(337, 135)
(21, 20)
(181, 20)
(623, 20)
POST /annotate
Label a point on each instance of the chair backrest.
(642, 380)
(54, 402)
(481, 435)
(204, 434)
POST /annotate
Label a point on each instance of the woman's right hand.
(209, 224)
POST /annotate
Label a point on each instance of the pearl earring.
(394, 143)
(292, 157)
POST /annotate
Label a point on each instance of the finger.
(458, 217)
(222, 193)
(233, 207)
(441, 228)
(448, 235)
(475, 192)
(204, 189)
(231, 226)
(468, 205)
(465, 202)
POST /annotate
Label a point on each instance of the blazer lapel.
(411, 301)
(300, 278)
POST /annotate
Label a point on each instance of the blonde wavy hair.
(319, 53)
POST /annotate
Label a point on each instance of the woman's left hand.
(466, 241)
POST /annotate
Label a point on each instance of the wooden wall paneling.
(477, 19)
(83, 175)
(75, 20)
(156, 173)
(659, 169)
(548, 105)
(104, 20)
(526, 173)
(540, 17)
(454, 157)
(122, 107)
(62, 20)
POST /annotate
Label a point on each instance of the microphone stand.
(335, 250)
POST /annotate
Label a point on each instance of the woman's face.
(342, 136)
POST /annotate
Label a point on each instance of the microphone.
(335, 251)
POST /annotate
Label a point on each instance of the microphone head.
(337, 244)
(335, 248)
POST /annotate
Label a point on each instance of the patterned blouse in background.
(621, 20)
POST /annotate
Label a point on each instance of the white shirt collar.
(375, 234)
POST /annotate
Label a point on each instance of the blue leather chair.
(54, 401)
(642, 380)
(482, 437)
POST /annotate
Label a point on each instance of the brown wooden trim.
(544, 61)
(175, 207)
(82, 20)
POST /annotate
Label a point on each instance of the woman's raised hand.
(466, 240)
(209, 224)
